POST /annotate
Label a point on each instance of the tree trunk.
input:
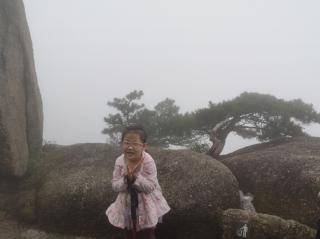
(216, 148)
(219, 134)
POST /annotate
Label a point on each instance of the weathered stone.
(8, 229)
(284, 177)
(11, 229)
(25, 205)
(243, 224)
(76, 191)
(21, 119)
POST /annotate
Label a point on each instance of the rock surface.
(21, 119)
(284, 177)
(75, 191)
(262, 226)
(10, 229)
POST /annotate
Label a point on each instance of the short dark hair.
(135, 128)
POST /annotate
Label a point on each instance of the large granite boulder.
(74, 191)
(283, 176)
(21, 119)
(242, 224)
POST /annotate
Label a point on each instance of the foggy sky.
(88, 52)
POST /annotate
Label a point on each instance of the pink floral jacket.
(152, 205)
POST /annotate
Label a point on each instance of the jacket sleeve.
(119, 183)
(147, 180)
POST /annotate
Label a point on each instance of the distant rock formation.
(21, 117)
(74, 190)
(283, 176)
(243, 224)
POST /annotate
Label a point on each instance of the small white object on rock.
(246, 201)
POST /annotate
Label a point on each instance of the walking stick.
(134, 205)
(318, 230)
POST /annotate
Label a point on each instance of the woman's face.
(132, 147)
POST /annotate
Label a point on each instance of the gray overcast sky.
(89, 51)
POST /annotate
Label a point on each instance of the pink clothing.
(152, 205)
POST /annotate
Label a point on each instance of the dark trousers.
(144, 234)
